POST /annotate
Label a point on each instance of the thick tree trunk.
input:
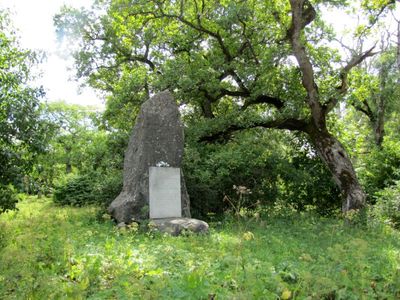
(328, 147)
(379, 126)
(207, 109)
(68, 165)
(335, 157)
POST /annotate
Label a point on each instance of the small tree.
(22, 133)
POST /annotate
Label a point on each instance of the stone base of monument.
(176, 226)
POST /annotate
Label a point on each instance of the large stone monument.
(157, 140)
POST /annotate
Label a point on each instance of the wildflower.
(247, 236)
(286, 294)
(241, 190)
(133, 227)
(106, 217)
(306, 257)
(152, 225)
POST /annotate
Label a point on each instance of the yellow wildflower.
(286, 294)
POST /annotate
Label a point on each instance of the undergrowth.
(53, 252)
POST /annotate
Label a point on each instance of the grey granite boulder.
(157, 138)
(175, 226)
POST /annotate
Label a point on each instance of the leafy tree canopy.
(233, 64)
(22, 132)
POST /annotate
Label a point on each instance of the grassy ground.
(50, 252)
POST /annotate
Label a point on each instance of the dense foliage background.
(238, 86)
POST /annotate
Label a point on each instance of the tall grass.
(52, 252)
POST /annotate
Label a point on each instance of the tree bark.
(333, 154)
(68, 164)
(379, 120)
(207, 109)
(327, 146)
(379, 126)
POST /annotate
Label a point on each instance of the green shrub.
(305, 181)
(275, 166)
(387, 207)
(212, 170)
(93, 188)
(76, 191)
(107, 188)
(379, 167)
(8, 198)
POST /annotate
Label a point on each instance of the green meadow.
(53, 252)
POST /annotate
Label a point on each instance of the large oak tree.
(235, 64)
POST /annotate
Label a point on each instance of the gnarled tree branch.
(343, 87)
(366, 109)
(225, 134)
(278, 103)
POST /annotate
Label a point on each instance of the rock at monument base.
(175, 226)
(156, 138)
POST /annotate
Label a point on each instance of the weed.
(48, 251)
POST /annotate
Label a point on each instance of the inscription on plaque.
(165, 192)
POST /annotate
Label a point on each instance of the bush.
(387, 207)
(275, 166)
(93, 188)
(306, 181)
(108, 187)
(8, 198)
(76, 191)
(379, 167)
(212, 170)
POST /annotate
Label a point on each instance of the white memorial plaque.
(165, 192)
